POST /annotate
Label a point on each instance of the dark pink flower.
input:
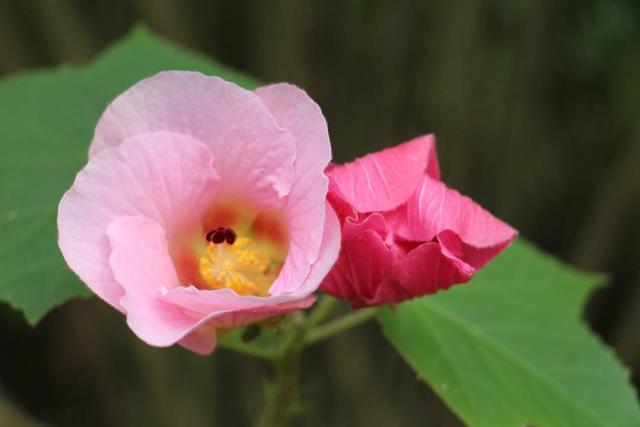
(404, 233)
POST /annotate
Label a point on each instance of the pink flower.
(404, 233)
(202, 207)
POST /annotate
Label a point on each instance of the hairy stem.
(283, 389)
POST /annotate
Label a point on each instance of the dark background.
(536, 106)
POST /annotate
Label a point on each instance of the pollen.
(242, 264)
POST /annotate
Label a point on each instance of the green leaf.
(511, 350)
(47, 120)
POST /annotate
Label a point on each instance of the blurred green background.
(536, 106)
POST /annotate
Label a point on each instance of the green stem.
(343, 323)
(282, 390)
(323, 309)
(280, 393)
(240, 347)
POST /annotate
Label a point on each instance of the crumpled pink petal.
(463, 228)
(382, 181)
(405, 234)
(424, 270)
(357, 273)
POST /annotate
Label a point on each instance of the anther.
(230, 236)
(220, 235)
(217, 235)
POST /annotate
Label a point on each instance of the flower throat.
(244, 264)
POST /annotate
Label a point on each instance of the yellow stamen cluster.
(243, 266)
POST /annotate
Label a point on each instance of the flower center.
(245, 265)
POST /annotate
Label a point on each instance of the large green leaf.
(510, 348)
(47, 120)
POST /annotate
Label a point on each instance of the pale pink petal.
(464, 229)
(383, 180)
(253, 154)
(202, 341)
(223, 308)
(237, 319)
(165, 177)
(142, 265)
(295, 111)
(329, 250)
(203, 302)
